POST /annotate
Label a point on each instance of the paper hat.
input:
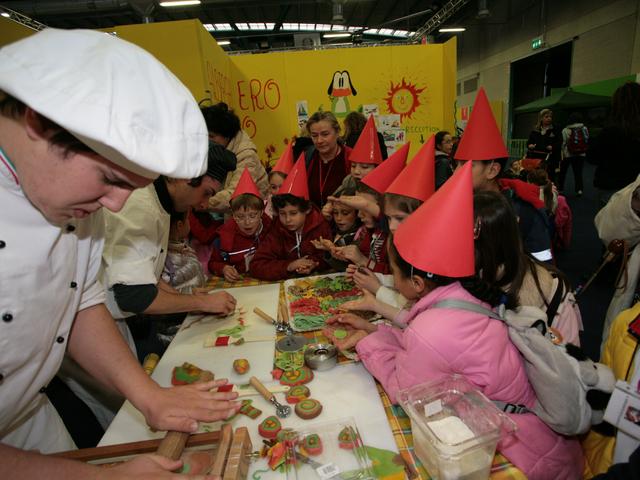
(246, 185)
(113, 96)
(481, 139)
(438, 236)
(367, 148)
(385, 173)
(296, 182)
(418, 179)
(285, 162)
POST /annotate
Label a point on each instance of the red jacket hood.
(528, 192)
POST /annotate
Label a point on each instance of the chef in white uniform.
(85, 118)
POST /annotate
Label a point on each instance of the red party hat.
(296, 181)
(384, 174)
(246, 185)
(418, 179)
(438, 236)
(481, 139)
(367, 148)
(285, 162)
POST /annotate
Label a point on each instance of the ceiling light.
(223, 42)
(6, 14)
(180, 3)
(336, 35)
(451, 29)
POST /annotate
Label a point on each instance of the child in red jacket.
(241, 235)
(287, 250)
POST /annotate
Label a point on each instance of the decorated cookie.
(241, 366)
(287, 435)
(338, 333)
(346, 439)
(277, 455)
(312, 445)
(297, 393)
(188, 373)
(249, 410)
(297, 377)
(308, 408)
(269, 427)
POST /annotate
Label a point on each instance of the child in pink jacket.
(439, 342)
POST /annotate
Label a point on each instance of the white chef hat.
(113, 96)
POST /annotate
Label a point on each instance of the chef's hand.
(327, 211)
(366, 280)
(148, 467)
(181, 408)
(218, 303)
(231, 274)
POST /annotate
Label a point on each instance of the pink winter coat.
(439, 342)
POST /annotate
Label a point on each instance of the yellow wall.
(463, 112)
(11, 31)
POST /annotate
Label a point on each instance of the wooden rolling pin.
(264, 316)
(172, 445)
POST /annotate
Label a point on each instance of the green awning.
(565, 100)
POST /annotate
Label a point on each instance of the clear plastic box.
(455, 428)
(342, 457)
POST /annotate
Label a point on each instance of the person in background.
(616, 150)
(59, 165)
(224, 129)
(575, 141)
(443, 166)
(288, 250)
(327, 162)
(545, 141)
(354, 123)
(240, 236)
(277, 176)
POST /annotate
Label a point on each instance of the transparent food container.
(342, 455)
(455, 428)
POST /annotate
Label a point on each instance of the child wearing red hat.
(287, 249)
(483, 145)
(442, 341)
(277, 176)
(241, 234)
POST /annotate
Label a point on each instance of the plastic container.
(342, 457)
(455, 428)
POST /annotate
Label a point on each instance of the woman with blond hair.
(545, 141)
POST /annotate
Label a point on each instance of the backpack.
(577, 142)
(561, 376)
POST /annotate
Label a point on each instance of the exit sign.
(537, 42)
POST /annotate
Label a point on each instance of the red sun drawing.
(403, 99)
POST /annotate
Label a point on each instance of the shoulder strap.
(469, 306)
(552, 309)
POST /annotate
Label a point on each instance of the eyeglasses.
(247, 218)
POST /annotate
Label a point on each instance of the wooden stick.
(262, 390)
(172, 445)
(237, 467)
(134, 448)
(220, 461)
(264, 316)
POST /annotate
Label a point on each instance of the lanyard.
(323, 182)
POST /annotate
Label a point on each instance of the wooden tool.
(614, 249)
(282, 411)
(173, 443)
(264, 316)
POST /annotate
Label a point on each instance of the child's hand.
(352, 320)
(307, 269)
(231, 274)
(302, 265)
(366, 280)
(323, 244)
(351, 253)
(368, 302)
(327, 210)
(348, 336)
(358, 203)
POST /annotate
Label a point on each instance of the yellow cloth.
(617, 354)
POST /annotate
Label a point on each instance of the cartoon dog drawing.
(339, 89)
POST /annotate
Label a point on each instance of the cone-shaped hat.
(418, 179)
(246, 185)
(285, 162)
(367, 148)
(481, 139)
(296, 181)
(381, 177)
(438, 237)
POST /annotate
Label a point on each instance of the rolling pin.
(264, 316)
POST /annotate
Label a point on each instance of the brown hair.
(364, 188)
(354, 122)
(540, 177)
(247, 200)
(625, 109)
(402, 203)
(327, 117)
(276, 172)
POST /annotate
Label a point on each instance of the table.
(382, 425)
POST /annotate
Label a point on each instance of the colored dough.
(288, 435)
(312, 444)
(346, 439)
(297, 393)
(297, 377)
(241, 366)
(188, 373)
(308, 408)
(249, 410)
(269, 427)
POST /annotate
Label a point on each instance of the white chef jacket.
(136, 244)
(47, 274)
